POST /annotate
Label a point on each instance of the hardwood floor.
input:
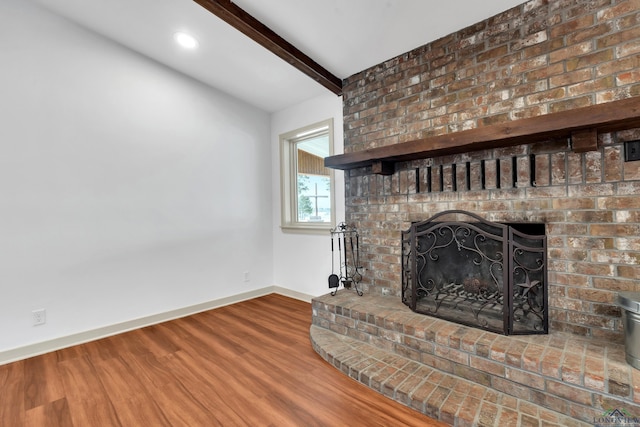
(247, 364)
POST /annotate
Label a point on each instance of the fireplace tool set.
(349, 262)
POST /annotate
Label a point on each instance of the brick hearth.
(466, 376)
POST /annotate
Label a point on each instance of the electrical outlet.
(246, 276)
(39, 317)
(631, 151)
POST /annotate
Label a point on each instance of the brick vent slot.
(488, 275)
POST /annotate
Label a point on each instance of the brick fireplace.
(537, 59)
(542, 59)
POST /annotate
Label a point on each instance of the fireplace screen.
(488, 275)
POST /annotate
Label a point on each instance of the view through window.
(313, 180)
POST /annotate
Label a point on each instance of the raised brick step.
(439, 395)
(561, 377)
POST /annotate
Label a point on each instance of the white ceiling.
(344, 36)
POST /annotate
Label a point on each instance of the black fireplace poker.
(349, 261)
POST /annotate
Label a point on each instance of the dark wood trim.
(383, 168)
(609, 117)
(260, 33)
(584, 140)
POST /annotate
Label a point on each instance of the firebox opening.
(483, 274)
(530, 228)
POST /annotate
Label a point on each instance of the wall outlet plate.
(39, 317)
(631, 151)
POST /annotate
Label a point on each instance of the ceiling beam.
(260, 33)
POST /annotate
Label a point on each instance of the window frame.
(288, 179)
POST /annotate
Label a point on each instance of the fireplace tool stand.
(349, 262)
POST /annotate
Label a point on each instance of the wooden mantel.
(582, 125)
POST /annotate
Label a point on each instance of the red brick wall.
(535, 59)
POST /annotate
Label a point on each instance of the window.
(307, 186)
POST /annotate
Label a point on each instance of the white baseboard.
(293, 294)
(43, 347)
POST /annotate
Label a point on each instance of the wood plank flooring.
(247, 364)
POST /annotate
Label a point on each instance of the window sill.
(324, 228)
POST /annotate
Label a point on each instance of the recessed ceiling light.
(185, 40)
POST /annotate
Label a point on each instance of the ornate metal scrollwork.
(478, 273)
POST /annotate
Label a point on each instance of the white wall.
(126, 189)
(302, 262)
